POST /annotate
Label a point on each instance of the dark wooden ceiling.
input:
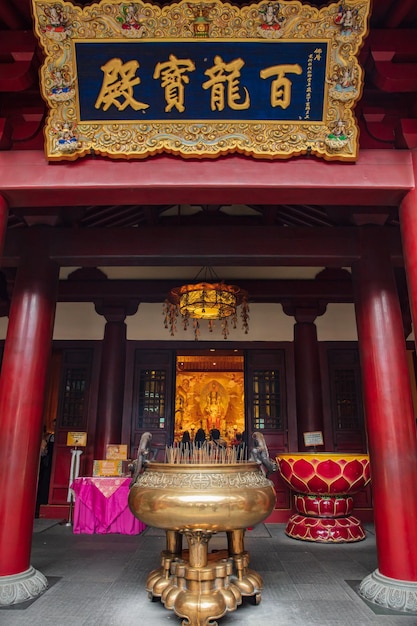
(387, 116)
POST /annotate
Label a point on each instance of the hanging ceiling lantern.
(209, 301)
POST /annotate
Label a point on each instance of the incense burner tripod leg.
(159, 579)
(200, 589)
(247, 580)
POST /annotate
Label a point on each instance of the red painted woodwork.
(156, 290)
(393, 77)
(384, 43)
(55, 511)
(408, 223)
(6, 131)
(309, 402)
(187, 246)
(111, 388)
(22, 387)
(10, 15)
(378, 177)
(4, 213)
(389, 412)
(398, 12)
(84, 358)
(18, 76)
(408, 134)
(308, 382)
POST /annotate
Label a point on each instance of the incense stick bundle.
(207, 454)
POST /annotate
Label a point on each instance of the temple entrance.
(209, 393)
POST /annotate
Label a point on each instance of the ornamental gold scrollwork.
(203, 481)
(336, 33)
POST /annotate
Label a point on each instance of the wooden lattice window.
(267, 400)
(348, 415)
(152, 398)
(74, 396)
(346, 399)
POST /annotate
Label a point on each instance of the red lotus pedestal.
(324, 484)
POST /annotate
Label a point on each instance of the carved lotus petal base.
(397, 595)
(323, 506)
(325, 530)
(22, 587)
(324, 484)
(326, 473)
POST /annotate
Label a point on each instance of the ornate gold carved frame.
(337, 31)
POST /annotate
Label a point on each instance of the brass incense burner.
(197, 500)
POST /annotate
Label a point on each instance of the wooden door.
(152, 399)
(267, 410)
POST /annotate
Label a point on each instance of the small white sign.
(313, 438)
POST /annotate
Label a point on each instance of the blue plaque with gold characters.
(201, 79)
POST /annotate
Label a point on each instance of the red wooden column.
(408, 223)
(22, 386)
(390, 426)
(112, 376)
(309, 401)
(4, 214)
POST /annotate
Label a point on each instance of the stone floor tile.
(99, 580)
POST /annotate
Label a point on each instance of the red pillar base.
(22, 587)
(397, 595)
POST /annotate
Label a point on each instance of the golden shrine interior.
(209, 393)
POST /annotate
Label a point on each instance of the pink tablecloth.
(101, 506)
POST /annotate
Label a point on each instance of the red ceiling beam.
(21, 44)
(22, 72)
(10, 16)
(156, 290)
(197, 246)
(394, 77)
(407, 133)
(387, 52)
(399, 12)
(386, 43)
(379, 177)
(6, 132)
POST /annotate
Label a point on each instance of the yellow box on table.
(108, 467)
